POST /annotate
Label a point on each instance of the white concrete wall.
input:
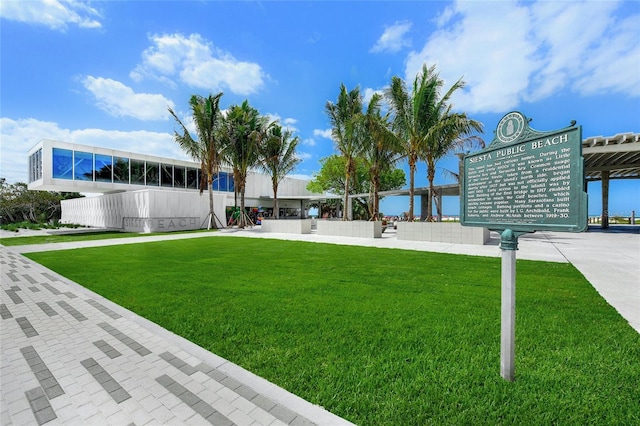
(350, 228)
(109, 210)
(105, 211)
(287, 226)
(259, 185)
(442, 232)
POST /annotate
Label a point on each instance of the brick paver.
(71, 357)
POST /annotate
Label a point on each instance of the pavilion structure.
(609, 158)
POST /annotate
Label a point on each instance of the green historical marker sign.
(526, 180)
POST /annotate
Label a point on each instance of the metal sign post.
(524, 181)
(508, 245)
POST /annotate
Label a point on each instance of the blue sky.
(103, 73)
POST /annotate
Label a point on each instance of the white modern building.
(144, 193)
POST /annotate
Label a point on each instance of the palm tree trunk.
(276, 211)
(212, 222)
(430, 176)
(345, 215)
(376, 198)
(242, 220)
(412, 181)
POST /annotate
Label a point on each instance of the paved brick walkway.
(70, 356)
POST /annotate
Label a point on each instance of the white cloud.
(309, 142)
(287, 123)
(190, 124)
(488, 47)
(393, 39)
(445, 16)
(567, 56)
(121, 101)
(18, 136)
(614, 65)
(304, 155)
(368, 94)
(55, 14)
(515, 52)
(326, 133)
(198, 63)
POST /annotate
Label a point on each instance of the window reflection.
(230, 186)
(120, 170)
(166, 175)
(82, 165)
(224, 178)
(35, 166)
(223, 182)
(215, 185)
(137, 172)
(86, 166)
(178, 177)
(192, 178)
(104, 168)
(62, 163)
(153, 174)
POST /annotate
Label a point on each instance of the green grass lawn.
(380, 336)
(81, 236)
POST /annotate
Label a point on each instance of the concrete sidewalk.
(70, 356)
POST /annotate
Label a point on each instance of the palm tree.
(344, 116)
(206, 148)
(449, 132)
(411, 114)
(381, 149)
(425, 124)
(278, 157)
(242, 133)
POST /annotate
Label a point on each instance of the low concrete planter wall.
(439, 232)
(354, 228)
(287, 226)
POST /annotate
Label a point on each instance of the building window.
(137, 172)
(223, 182)
(230, 185)
(104, 167)
(82, 165)
(152, 174)
(166, 175)
(35, 166)
(178, 177)
(220, 183)
(192, 178)
(120, 170)
(215, 185)
(62, 163)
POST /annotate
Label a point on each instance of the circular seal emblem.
(510, 127)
